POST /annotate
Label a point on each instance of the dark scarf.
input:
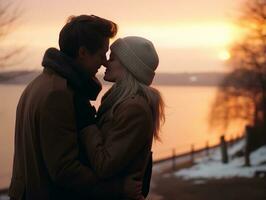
(76, 77)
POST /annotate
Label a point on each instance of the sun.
(224, 55)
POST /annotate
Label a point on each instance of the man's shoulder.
(57, 91)
(49, 82)
(56, 81)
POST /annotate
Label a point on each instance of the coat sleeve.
(128, 134)
(59, 143)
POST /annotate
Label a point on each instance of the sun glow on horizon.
(224, 55)
(185, 35)
(195, 46)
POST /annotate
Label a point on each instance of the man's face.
(92, 62)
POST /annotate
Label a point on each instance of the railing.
(193, 152)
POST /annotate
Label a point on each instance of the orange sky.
(189, 35)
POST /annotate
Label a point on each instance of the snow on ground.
(4, 197)
(212, 167)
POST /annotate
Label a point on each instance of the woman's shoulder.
(135, 100)
(135, 103)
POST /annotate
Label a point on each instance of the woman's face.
(115, 71)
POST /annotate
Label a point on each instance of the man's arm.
(58, 136)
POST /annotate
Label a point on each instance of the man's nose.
(105, 63)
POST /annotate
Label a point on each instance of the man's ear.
(82, 52)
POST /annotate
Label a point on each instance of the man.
(48, 163)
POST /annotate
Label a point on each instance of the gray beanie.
(138, 55)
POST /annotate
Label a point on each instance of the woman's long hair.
(126, 88)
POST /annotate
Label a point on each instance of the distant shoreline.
(164, 79)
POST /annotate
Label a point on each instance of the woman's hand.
(133, 189)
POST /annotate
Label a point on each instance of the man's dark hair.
(87, 31)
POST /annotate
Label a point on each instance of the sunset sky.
(190, 35)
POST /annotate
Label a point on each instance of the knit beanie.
(138, 55)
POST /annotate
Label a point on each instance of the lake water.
(186, 123)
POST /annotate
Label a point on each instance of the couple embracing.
(64, 149)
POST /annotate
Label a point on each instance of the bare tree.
(9, 14)
(242, 95)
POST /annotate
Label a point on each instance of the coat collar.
(66, 67)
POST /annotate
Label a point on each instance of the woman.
(130, 113)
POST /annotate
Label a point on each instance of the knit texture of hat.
(138, 55)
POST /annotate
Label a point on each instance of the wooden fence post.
(192, 153)
(247, 146)
(231, 143)
(207, 149)
(224, 150)
(173, 159)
